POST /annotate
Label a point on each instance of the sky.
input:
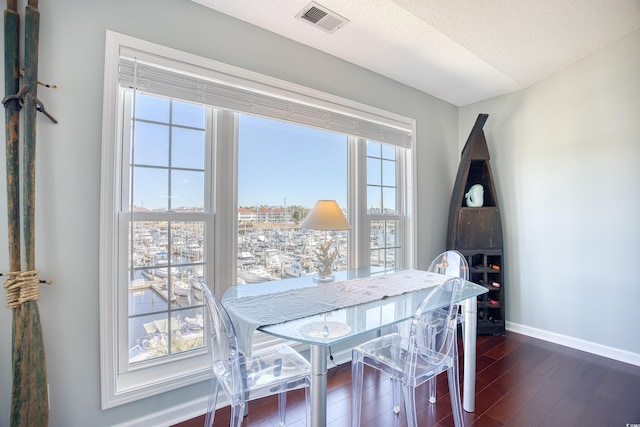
(278, 161)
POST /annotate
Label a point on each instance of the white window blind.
(248, 94)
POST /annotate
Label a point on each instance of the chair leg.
(307, 398)
(431, 337)
(409, 393)
(432, 390)
(453, 378)
(395, 392)
(237, 414)
(357, 373)
(211, 405)
(282, 407)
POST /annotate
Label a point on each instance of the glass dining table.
(351, 309)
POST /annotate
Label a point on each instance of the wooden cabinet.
(475, 229)
(485, 268)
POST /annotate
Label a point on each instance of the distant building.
(271, 214)
(247, 215)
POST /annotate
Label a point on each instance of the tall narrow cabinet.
(475, 228)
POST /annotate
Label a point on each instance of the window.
(166, 220)
(384, 207)
(207, 172)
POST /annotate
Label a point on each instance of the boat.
(303, 267)
(155, 273)
(161, 258)
(195, 290)
(246, 258)
(255, 274)
(194, 323)
(181, 288)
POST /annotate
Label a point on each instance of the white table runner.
(250, 313)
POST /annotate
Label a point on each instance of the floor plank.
(520, 381)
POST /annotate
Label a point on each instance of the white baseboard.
(576, 343)
(171, 415)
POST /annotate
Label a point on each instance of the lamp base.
(318, 278)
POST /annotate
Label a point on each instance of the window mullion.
(226, 200)
(357, 201)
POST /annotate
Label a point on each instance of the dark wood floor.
(520, 381)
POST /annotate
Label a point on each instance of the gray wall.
(72, 35)
(565, 154)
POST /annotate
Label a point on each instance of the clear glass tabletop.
(346, 323)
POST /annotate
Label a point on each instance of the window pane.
(374, 171)
(389, 173)
(188, 114)
(283, 170)
(388, 200)
(190, 334)
(150, 188)
(151, 108)
(374, 149)
(377, 258)
(388, 152)
(187, 148)
(390, 234)
(144, 300)
(187, 189)
(151, 144)
(374, 199)
(177, 286)
(147, 337)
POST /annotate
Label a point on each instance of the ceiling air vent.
(321, 17)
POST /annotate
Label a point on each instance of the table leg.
(318, 386)
(470, 307)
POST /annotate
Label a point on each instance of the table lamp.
(326, 215)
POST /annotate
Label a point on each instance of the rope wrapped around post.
(23, 286)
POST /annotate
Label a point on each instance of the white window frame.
(122, 383)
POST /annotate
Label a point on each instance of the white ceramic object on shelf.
(475, 196)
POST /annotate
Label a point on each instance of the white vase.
(475, 196)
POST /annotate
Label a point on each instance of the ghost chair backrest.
(450, 263)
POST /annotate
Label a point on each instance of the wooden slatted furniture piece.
(475, 228)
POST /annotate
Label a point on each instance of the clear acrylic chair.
(450, 263)
(430, 348)
(267, 372)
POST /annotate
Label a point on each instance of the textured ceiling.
(460, 51)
